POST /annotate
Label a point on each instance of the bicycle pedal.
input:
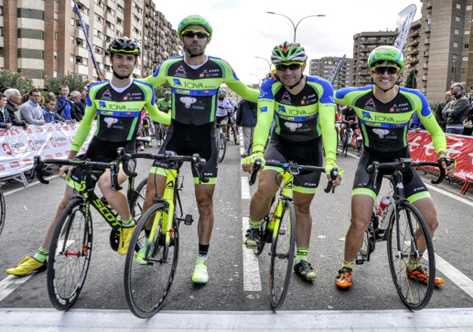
(359, 261)
(188, 220)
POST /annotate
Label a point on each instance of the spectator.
(457, 110)
(31, 111)
(51, 95)
(438, 113)
(76, 103)
(49, 114)
(64, 106)
(5, 122)
(25, 98)
(415, 123)
(13, 101)
(246, 118)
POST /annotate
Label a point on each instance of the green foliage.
(433, 105)
(73, 81)
(411, 81)
(11, 79)
(159, 91)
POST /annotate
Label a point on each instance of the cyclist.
(223, 112)
(164, 105)
(117, 126)
(304, 110)
(349, 120)
(384, 110)
(195, 79)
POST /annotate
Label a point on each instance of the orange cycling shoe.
(422, 275)
(344, 278)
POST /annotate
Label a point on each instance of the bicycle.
(71, 245)
(221, 141)
(347, 140)
(403, 227)
(279, 228)
(148, 278)
(2, 209)
(161, 132)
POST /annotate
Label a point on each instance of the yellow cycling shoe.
(125, 238)
(28, 265)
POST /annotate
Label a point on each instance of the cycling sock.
(41, 255)
(203, 249)
(412, 265)
(128, 223)
(348, 264)
(301, 254)
(255, 224)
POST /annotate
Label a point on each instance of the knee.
(205, 205)
(360, 224)
(303, 208)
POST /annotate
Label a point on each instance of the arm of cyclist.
(157, 115)
(238, 86)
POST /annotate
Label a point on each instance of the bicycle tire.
(147, 285)
(265, 236)
(222, 147)
(136, 205)
(413, 293)
(3, 210)
(162, 135)
(282, 257)
(69, 255)
(345, 143)
(368, 245)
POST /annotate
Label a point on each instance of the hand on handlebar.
(329, 166)
(65, 170)
(449, 164)
(247, 164)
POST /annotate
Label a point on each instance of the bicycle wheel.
(138, 200)
(147, 283)
(69, 255)
(368, 245)
(282, 257)
(413, 236)
(345, 142)
(265, 235)
(162, 134)
(2, 210)
(222, 147)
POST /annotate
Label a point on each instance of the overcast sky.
(243, 29)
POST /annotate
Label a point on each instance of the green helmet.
(386, 53)
(194, 20)
(167, 94)
(288, 52)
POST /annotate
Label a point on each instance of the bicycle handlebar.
(294, 169)
(198, 163)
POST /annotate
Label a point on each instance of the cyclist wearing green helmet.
(195, 79)
(304, 110)
(384, 110)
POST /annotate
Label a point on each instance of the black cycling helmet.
(124, 45)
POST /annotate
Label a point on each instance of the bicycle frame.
(285, 195)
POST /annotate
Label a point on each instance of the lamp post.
(269, 63)
(294, 26)
(259, 80)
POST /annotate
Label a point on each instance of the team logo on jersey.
(110, 121)
(102, 104)
(107, 95)
(181, 70)
(281, 109)
(381, 132)
(188, 101)
(365, 115)
(263, 109)
(286, 96)
(177, 81)
(293, 125)
(371, 104)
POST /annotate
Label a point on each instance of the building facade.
(324, 66)
(43, 38)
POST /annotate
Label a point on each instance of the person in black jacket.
(456, 111)
(246, 118)
(65, 107)
(13, 101)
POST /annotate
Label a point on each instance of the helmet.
(167, 94)
(287, 52)
(386, 53)
(124, 45)
(194, 20)
(222, 92)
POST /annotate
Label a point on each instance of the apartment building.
(43, 38)
(324, 66)
(411, 53)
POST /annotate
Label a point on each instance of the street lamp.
(259, 80)
(269, 63)
(295, 25)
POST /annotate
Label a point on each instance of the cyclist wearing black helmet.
(117, 126)
(195, 79)
(384, 110)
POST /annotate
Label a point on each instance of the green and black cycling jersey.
(384, 126)
(118, 113)
(194, 89)
(299, 118)
(163, 105)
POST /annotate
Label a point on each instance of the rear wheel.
(69, 255)
(222, 147)
(265, 235)
(368, 245)
(149, 273)
(409, 240)
(282, 257)
(345, 143)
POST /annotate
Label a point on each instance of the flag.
(336, 70)
(406, 16)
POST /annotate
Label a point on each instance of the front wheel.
(221, 146)
(265, 233)
(409, 242)
(282, 256)
(69, 255)
(149, 272)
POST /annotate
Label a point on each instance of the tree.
(73, 81)
(159, 90)
(411, 81)
(15, 80)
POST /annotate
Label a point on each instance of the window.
(72, 40)
(73, 22)
(454, 57)
(467, 32)
(72, 57)
(468, 7)
(55, 36)
(55, 54)
(459, 6)
(1, 31)
(455, 44)
(465, 58)
(55, 73)
(467, 46)
(457, 18)
(56, 16)
(1, 10)
(457, 32)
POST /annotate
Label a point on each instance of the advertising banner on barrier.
(19, 146)
(459, 147)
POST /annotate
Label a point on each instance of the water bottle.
(383, 204)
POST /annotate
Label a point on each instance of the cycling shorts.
(414, 187)
(221, 119)
(353, 126)
(187, 139)
(307, 153)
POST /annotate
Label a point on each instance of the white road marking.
(245, 188)
(251, 273)
(454, 275)
(10, 283)
(446, 193)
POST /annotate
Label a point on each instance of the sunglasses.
(193, 33)
(380, 70)
(291, 66)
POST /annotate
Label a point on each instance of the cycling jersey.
(163, 105)
(299, 118)
(223, 108)
(384, 126)
(194, 98)
(118, 113)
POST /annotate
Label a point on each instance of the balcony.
(426, 53)
(424, 77)
(428, 4)
(427, 41)
(425, 65)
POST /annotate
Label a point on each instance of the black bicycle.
(71, 245)
(2, 209)
(405, 230)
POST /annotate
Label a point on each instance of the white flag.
(406, 16)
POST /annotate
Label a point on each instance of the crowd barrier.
(19, 146)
